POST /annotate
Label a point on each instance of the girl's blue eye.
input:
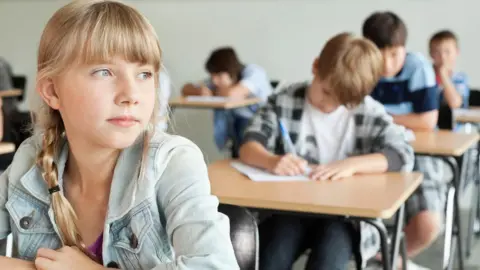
(102, 73)
(145, 75)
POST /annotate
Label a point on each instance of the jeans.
(229, 126)
(283, 238)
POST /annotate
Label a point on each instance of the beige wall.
(281, 35)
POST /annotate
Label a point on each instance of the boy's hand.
(205, 91)
(288, 165)
(333, 171)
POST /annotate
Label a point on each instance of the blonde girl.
(95, 187)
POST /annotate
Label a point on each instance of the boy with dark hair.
(409, 93)
(338, 131)
(230, 78)
(444, 52)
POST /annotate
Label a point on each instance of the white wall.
(281, 35)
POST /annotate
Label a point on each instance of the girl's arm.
(200, 235)
(16, 264)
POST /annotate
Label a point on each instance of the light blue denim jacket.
(166, 220)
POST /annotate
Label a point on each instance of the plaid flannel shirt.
(375, 132)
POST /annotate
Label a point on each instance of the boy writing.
(409, 93)
(338, 130)
(230, 78)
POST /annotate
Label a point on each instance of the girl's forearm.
(16, 264)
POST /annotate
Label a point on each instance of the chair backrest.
(474, 99)
(20, 82)
(445, 118)
(274, 83)
(244, 235)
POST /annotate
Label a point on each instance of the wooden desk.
(470, 115)
(11, 93)
(231, 104)
(443, 143)
(6, 148)
(371, 196)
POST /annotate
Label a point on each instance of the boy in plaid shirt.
(337, 130)
(409, 93)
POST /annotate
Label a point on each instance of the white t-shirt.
(334, 133)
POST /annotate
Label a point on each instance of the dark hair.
(351, 67)
(385, 29)
(225, 60)
(442, 36)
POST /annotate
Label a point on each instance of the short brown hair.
(225, 59)
(443, 35)
(351, 67)
(385, 29)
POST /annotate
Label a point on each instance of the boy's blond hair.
(350, 66)
(85, 32)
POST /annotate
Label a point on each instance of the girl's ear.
(46, 90)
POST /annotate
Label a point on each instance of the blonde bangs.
(99, 31)
(120, 31)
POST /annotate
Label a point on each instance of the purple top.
(96, 248)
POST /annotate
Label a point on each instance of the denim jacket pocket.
(31, 226)
(139, 240)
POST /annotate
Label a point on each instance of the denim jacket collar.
(124, 182)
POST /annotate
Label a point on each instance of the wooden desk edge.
(11, 93)
(182, 102)
(326, 210)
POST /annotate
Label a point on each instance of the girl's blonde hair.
(86, 32)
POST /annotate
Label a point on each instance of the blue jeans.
(228, 126)
(283, 238)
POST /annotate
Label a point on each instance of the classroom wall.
(282, 35)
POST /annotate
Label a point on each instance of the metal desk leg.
(457, 229)
(396, 240)
(397, 235)
(383, 242)
(447, 248)
(472, 218)
(403, 246)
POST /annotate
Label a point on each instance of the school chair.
(474, 99)
(445, 117)
(244, 235)
(276, 85)
(20, 82)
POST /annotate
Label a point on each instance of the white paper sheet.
(263, 176)
(466, 112)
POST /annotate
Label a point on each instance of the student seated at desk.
(453, 84)
(408, 91)
(337, 130)
(230, 78)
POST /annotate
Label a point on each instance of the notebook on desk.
(466, 112)
(259, 175)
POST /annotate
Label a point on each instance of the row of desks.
(351, 197)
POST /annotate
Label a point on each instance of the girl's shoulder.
(24, 159)
(166, 149)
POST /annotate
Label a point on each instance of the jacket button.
(133, 241)
(113, 265)
(26, 223)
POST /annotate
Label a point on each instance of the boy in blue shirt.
(409, 93)
(444, 52)
(231, 78)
